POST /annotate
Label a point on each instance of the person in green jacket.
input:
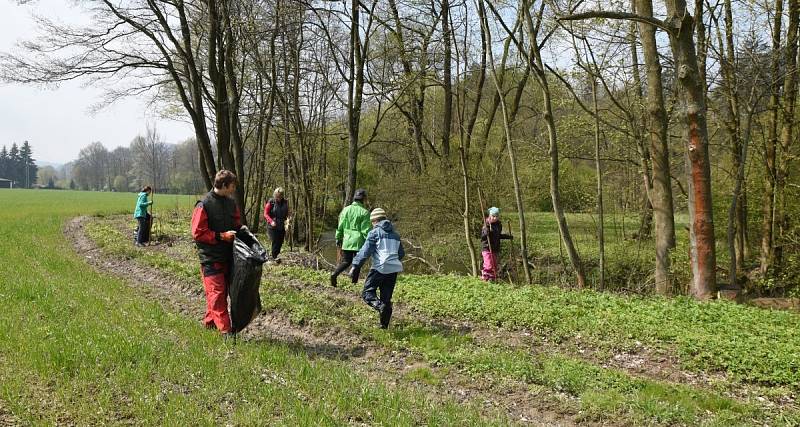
(141, 215)
(354, 225)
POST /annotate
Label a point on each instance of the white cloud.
(58, 122)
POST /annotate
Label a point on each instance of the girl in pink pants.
(491, 234)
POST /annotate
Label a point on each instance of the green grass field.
(83, 348)
(80, 348)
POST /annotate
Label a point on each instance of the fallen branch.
(435, 268)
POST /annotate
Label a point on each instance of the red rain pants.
(216, 287)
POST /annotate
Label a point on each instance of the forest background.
(633, 146)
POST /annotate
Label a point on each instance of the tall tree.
(14, 161)
(692, 88)
(511, 152)
(4, 163)
(27, 165)
(661, 196)
(679, 26)
(770, 143)
(787, 130)
(447, 80)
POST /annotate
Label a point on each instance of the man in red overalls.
(215, 221)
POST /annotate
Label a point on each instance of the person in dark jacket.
(276, 212)
(491, 233)
(142, 216)
(215, 221)
(351, 232)
(384, 247)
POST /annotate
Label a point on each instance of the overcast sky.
(58, 122)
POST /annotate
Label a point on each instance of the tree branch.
(617, 15)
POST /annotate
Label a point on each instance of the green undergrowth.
(602, 394)
(81, 348)
(747, 343)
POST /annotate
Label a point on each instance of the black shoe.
(333, 280)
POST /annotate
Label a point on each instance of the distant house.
(6, 183)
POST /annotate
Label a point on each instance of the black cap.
(360, 194)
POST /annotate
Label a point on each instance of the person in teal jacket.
(354, 225)
(142, 217)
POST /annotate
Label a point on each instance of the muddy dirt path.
(363, 355)
(6, 419)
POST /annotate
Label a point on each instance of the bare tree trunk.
(473, 254)
(232, 102)
(355, 90)
(511, 153)
(787, 130)
(416, 114)
(659, 148)
(770, 175)
(732, 124)
(636, 126)
(681, 39)
(702, 44)
(538, 66)
(737, 189)
(601, 241)
(466, 129)
(447, 115)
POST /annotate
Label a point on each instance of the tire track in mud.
(364, 356)
(6, 418)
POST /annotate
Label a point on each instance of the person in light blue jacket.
(142, 217)
(384, 247)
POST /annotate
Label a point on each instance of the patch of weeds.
(423, 374)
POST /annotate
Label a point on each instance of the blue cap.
(493, 211)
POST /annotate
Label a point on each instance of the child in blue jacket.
(384, 246)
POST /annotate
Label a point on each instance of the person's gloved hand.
(227, 236)
(354, 272)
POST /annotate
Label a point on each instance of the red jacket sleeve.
(237, 219)
(200, 231)
(267, 208)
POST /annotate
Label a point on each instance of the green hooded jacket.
(353, 226)
(141, 206)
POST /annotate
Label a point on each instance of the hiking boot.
(333, 280)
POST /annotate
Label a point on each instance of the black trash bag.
(248, 257)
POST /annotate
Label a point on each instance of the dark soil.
(6, 419)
